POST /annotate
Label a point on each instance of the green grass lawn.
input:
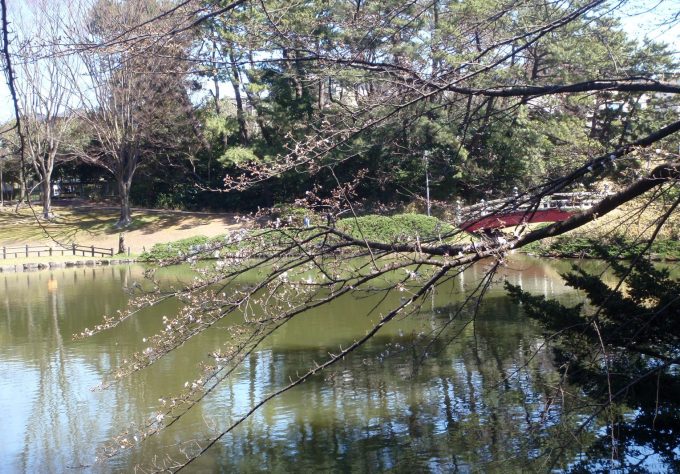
(68, 225)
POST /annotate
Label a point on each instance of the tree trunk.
(264, 129)
(321, 99)
(254, 101)
(235, 78)
(216, 95)
(435, 33)
(47, 197)
(536, 62)
(295, 73)
(216, 80)
(187, 106)
(23, 192)
(124, 196)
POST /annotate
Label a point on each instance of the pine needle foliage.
(622, 349)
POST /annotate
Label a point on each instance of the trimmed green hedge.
(402, 227)
(176, 249)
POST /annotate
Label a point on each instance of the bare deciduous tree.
(134, 99)
(44, 91)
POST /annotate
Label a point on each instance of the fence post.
(4, 253)
(93, 250)
(112, 252)
(27, 250)
(74, 248)
(50, 251)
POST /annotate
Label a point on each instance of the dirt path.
(180, 227)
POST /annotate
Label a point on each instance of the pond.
(475, 403)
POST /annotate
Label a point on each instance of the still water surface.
(472, 405)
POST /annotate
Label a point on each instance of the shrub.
(179, 248)
(402, 227)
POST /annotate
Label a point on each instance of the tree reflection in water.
(483, 400)
(486, 398)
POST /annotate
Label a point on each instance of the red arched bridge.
(508, 212)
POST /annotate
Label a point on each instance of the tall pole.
(426, 156)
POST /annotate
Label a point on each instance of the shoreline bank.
(35, 266)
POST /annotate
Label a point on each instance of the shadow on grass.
(82, 224)
(104, 222)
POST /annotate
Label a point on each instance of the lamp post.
(426, 157)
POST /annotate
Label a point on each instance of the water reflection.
(480, 400)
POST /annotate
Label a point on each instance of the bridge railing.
(565, 201)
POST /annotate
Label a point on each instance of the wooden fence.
(45, 250)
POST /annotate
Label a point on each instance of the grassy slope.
(92, 226)
(68, 224)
